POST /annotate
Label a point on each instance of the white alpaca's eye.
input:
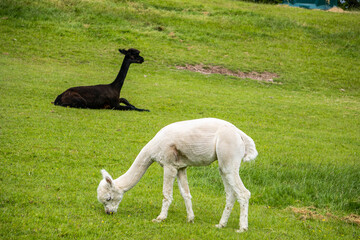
(108, 199)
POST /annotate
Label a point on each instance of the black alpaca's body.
(105, 96)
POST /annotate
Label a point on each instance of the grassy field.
(306, 125)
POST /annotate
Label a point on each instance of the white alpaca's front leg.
(185, 193)
(169, 177)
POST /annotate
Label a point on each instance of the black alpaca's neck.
(119, 80)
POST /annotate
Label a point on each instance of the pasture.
(306, 125)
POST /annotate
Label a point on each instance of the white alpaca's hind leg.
(185, 193)
(242, 196)
(230, 150)
(169, 177)
(230, 200)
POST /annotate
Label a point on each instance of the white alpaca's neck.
(135, 172)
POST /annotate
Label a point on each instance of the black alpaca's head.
(133, 55)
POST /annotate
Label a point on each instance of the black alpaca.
(105, 96)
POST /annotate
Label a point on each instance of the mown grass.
(306, 129)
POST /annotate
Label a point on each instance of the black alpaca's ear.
(123, 51)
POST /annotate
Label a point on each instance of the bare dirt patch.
(336, 9)
(307, 213)
(200, 68)
(352, 218)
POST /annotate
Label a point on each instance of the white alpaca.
(182, 144)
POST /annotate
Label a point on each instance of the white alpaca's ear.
(107, 176)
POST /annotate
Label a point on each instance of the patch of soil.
(352, 218)
(307, 213)
(200, 68)
(336, 9)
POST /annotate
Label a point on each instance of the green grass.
(306, 129)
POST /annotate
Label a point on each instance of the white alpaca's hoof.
(157, 220)
(219, 225)
(190, 220)
(241, 230)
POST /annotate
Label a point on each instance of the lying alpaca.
(102, 96)
(182, 144)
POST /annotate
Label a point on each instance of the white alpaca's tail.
(250, 149)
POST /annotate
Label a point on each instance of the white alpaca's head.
(108, 194)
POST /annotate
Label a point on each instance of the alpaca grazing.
(179, 145)
(102, 96)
